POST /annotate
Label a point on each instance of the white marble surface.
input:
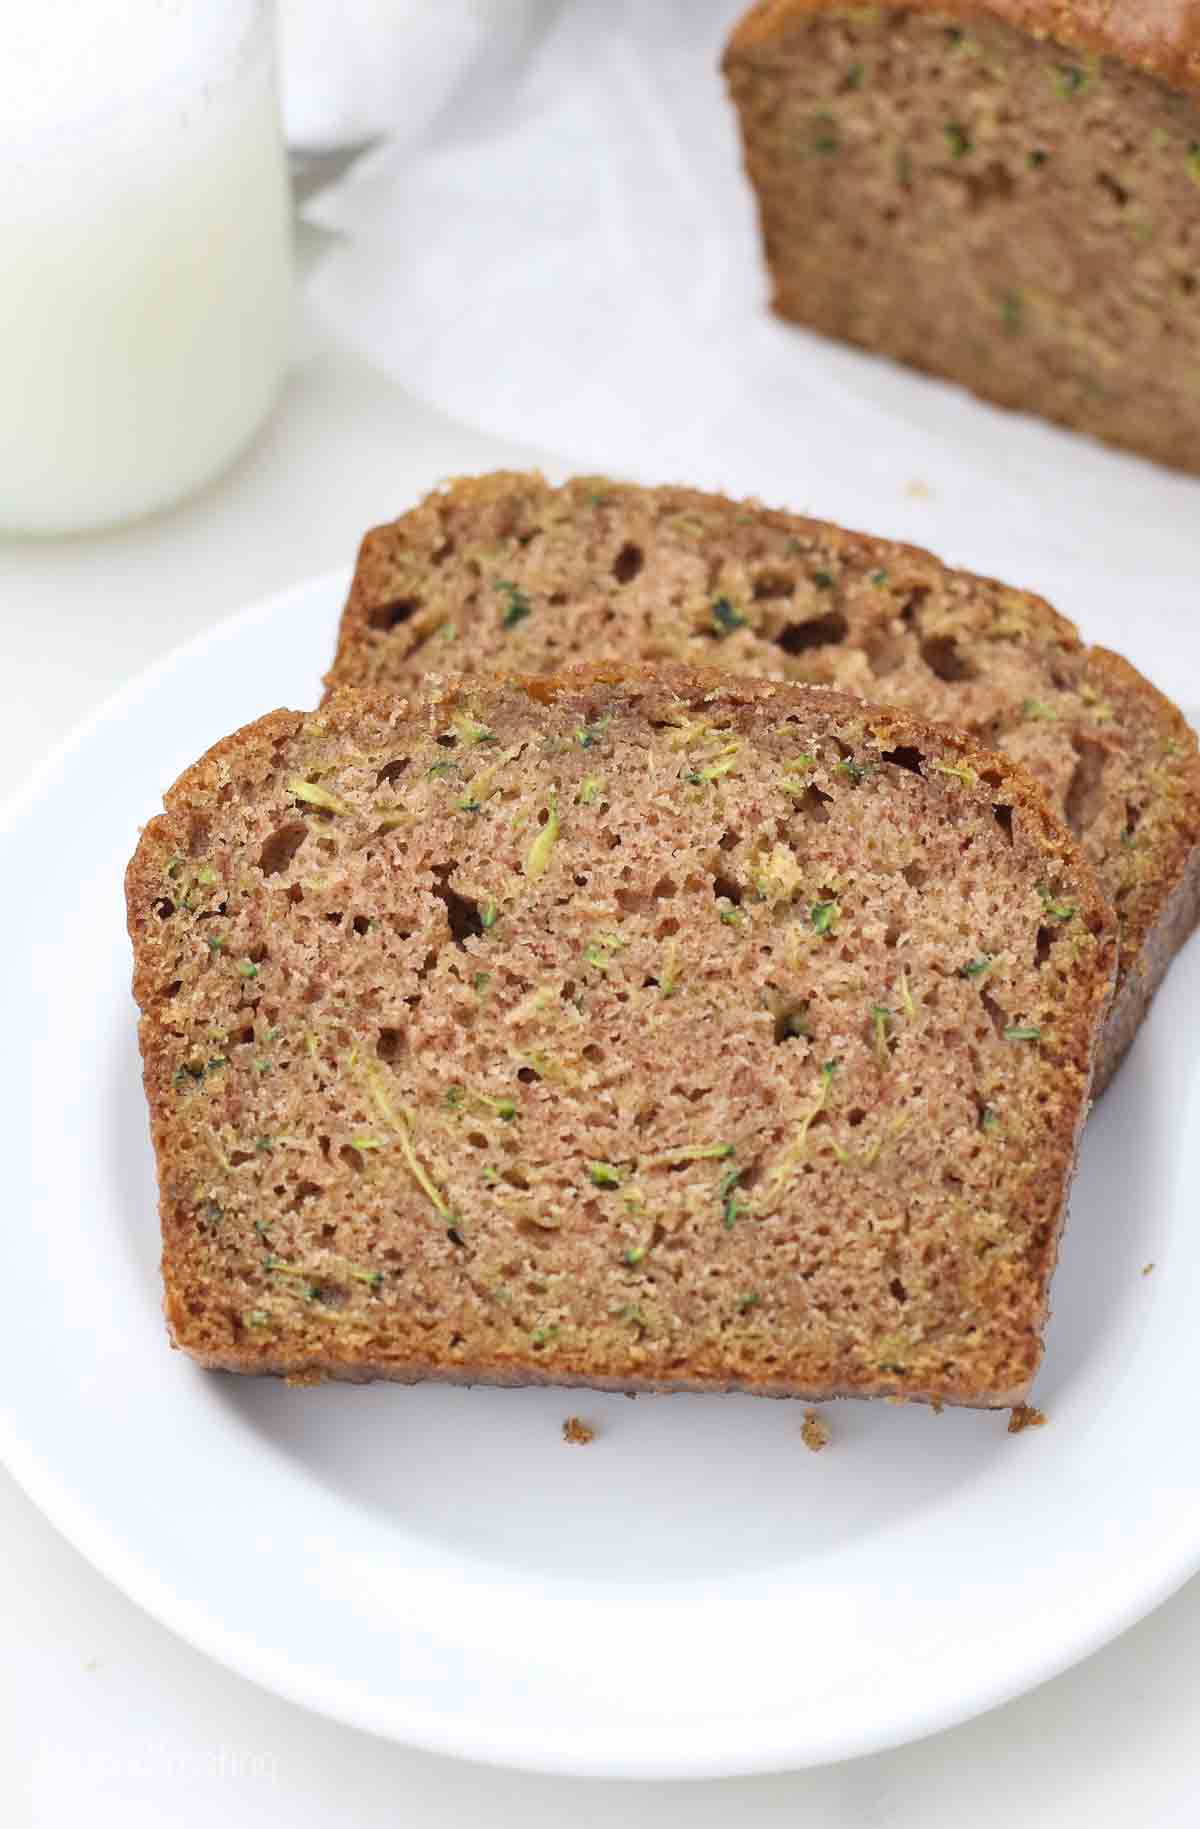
(107, 1719)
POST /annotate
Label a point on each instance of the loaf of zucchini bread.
(1003, 192)
(505, 571)
(644, 1030)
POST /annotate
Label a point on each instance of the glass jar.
(145, 252)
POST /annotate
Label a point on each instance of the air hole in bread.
(904, 756)
(999, 1017)
(628, 563)
(819, 632)
(812, 804)
(943, 656)
(390, 1044)
(391, 615)
(790, 1023)
(462, 912)
(1085, 792)
(279, 850)
(1109, 185)
(992, 185)
(391, 771)
(770, 585)
(1003, 815)
(915, 875)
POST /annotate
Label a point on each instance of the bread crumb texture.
(576, 1430)
(814, 1432)
(645, 1030)
(1011, 202)
(503, 571)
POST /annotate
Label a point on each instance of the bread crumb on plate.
(576, 1430)
(1025, 1416)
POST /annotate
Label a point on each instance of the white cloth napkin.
(361, 69)
(566, 255)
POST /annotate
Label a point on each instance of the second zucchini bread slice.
(505, 571)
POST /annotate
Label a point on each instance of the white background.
(104, 1717)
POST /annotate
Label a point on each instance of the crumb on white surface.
(576, 1430)
(1025, 1416)
(814, 1431)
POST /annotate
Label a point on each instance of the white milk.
(145, 261)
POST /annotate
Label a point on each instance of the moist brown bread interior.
(635, 1030)
(1159, 37)
(1019, 213)
(504, 571)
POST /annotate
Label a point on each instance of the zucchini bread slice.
(640, 1030)
(504, 571)
(1003, 192)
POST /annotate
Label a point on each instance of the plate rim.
(82, 1521)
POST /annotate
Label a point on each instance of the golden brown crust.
(376, 571)
(1161, 912)
(282, 1256)
(384, 1371)
(1158, 37)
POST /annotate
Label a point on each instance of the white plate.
(692, 1594)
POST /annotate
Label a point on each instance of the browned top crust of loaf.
(632, 1029)
(525, 576)
(1158, 37)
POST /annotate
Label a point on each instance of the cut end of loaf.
(1000, 195)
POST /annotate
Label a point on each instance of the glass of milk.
(145, 252)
